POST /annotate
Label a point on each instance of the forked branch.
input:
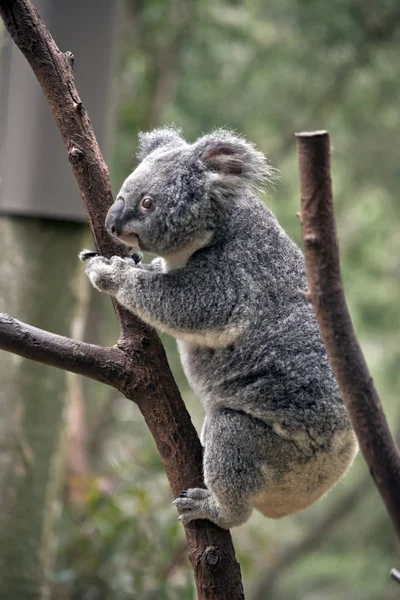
(148, 381)
(107, 365)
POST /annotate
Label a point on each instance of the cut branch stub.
(329, 303)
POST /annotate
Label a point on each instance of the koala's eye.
(147, 204)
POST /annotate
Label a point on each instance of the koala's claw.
(195, 493)
(192, 504)
(136, 257)
(106, 274)
(86, 254)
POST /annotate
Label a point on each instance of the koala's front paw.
(192, 504)
(106, 275)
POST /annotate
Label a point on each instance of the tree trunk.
(32, 401)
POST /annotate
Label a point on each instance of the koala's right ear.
(232, 160)
(151, 140)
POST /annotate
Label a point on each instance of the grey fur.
(228, 285)
(151, 140)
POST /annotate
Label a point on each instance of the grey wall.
(35, 177)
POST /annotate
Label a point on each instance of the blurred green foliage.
(266, 70)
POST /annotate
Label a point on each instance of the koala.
(228, 284)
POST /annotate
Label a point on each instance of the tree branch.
(329, 303)
(211, 552)
(107, 365)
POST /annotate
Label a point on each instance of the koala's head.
(175, 197)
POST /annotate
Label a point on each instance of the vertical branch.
(329, 303)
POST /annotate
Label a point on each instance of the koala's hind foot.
(197, 503)
(232, 471)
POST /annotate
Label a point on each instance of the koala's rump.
(246, 457)
(305, 483)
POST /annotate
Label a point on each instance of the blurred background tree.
(265, 70)
(42, 226)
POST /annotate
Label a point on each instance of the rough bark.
(329, 303)
(107, 365)
(150, 382)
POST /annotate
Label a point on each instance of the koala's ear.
(227, 154)
(151, 140)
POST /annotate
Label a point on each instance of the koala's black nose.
(113, 218)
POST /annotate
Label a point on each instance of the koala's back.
(275, 425)
(273, 364)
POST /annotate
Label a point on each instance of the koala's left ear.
(225, 153)
(151, 140)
